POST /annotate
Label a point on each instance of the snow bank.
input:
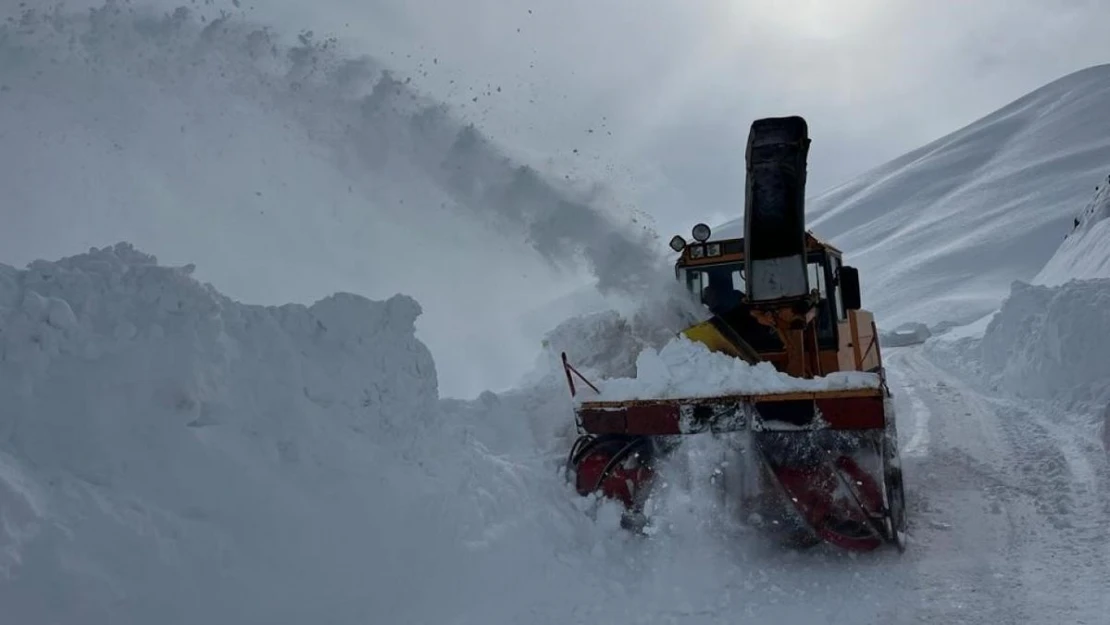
(1085, 252)
(685, 368)
(1047, 343)
(1052, 342)
(170, 455)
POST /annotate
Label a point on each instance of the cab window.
(838, 299)
(817, 278)
(719, 286)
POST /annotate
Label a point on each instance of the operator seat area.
(720, 299)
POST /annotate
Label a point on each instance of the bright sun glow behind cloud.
(805, 19)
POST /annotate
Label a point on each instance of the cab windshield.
(720, 287)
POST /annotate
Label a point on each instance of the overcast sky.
(669, 87)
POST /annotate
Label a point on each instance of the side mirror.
(849, 287)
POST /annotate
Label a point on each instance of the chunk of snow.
(59, 314)
(685, 368)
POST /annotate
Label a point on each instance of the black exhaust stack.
(774, 215)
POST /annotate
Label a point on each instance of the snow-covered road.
(1009, 523)
(1009, 503)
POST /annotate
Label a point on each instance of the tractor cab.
(713, 271)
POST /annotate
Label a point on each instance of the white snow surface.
(685, 368)
(940, 233)
(1085, 253)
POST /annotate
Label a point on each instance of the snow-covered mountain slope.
(287, 169)
(940, 233)
(1085, 253)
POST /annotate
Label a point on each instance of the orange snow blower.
(820, 463)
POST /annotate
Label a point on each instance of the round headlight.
(678, 243)
(701, 233)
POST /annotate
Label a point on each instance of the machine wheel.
(896, 502)
(618, 467)
(895, 490)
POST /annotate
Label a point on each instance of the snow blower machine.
(821, 459)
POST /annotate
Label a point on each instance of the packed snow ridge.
(685, 368)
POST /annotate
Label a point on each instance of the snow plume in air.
(287, 170)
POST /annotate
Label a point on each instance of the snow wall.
(169, 455)
(1046, 344)
(166, 453)
(1051, 343)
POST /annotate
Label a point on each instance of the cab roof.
(732, 249)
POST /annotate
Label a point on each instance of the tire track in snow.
(1028, 471)
(968, 519)
(917, 444)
